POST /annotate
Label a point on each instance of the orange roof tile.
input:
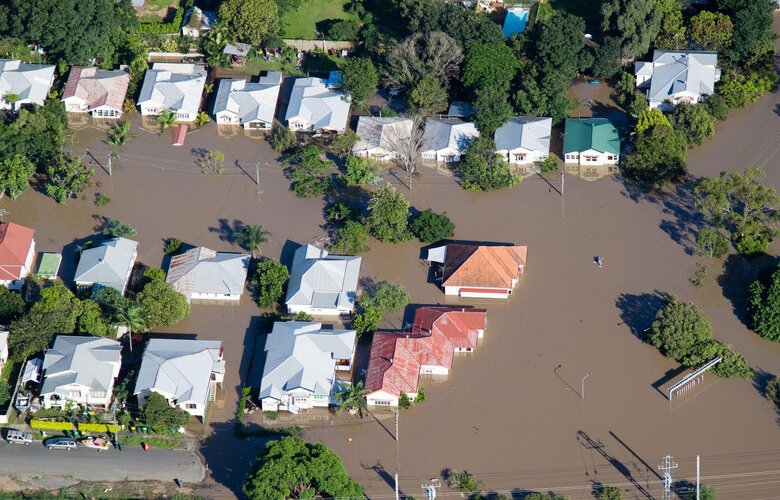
(15, 243)
(483, 266)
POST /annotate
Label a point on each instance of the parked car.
(19, 437)
(60, 443)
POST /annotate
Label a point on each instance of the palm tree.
(12, 99)
(119, 135)
(352, 398)
(251, 237)
(166, 119)
(133, 317)
(202, 119)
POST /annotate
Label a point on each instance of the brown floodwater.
(511, 413)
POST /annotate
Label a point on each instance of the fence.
(319, 44)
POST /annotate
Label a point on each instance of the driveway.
(27, 462)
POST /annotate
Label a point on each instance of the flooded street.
(512, 413)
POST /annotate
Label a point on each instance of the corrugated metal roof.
(202, 270)
(598, 134)
(318, 276)
(312, 101)
(86, 361)
(527, 132)
(108, 264)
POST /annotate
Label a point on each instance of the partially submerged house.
(524, 140)
(675, 76)
(382, 139)
(197, 22)
(314, 107)
(446, 139)
(185, 372)
(591, 142)
(322, 284)
(81, 370)
(107, 265)
(101, 93)
(204, 274)
(23, 83)
(301, 363)
(398, 359)
(249, 104)
(17, 253)
(175, 87)
(484, 271)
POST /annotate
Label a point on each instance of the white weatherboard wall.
(592, 157)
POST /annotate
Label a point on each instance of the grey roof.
(108, 264)
(677, 71)
(313, 101)
(31, 82)
(376, 132)
(452, 133)
(199, 19)
(250, 101)
(86, 361)
(461, 109)
(525, 132)
(303, 355)
(202, 270)
(322, 280)
(175, 86)
(180, 368)
(237, 49)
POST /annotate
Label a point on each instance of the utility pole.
(667, 465)
(698, 463)
(430, 489)
(396, 487)
(110, 170)
(257, 176)
(397, 415)
(582, 385)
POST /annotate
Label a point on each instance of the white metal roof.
(448, 134)
(382, 133)
(312, 101)
(86, 361)
(31, 82)
(322, 280)
(250, 101)
(108, 264)
(174, 86)
(202, 270)
(525, 132)
(680, 71)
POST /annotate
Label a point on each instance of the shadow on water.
(601, 449)
(738, 273)
(638, 311)
(386, 476)
(227, 230)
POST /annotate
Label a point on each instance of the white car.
(19, 437)
(60, 443)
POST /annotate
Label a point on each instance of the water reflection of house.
(484, 271)
(591, 147)
(446, 139)
(301, 363)
(398, 359)
(382, 139)
(250, 104)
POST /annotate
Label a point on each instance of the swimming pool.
(515, 21)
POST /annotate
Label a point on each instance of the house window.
(519, 157)
(191, 406)
(382, 402)
(612, 157)
(573, 156)
(590, 159)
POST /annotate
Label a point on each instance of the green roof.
(598, 134)
(49, 265)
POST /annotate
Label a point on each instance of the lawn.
(302, 23)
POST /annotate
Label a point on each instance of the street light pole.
(582, 386)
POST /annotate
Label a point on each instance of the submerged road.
(132, 463)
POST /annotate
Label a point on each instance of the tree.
(428, 96)
(712, 243)
(483, 170)
(5, 393)
(351, 239)
(673, 33)
(112, 303)
(282, 139)
(202, 118)
(681, 331)
(491, 108)
(742, 206)
(359, 172)
(212, 162)
(388, 215)
(251, 237)
(341, 144)
(463, 481)
(93, 322)
(251, 21)
(772, 391)
(66, 178)
(162, 304)
(658, 157)
(404, 401)
(752, 28)
(161, 417)
(113, 228)
(741, 88)
(292, 468)
(352, 398)
(711, 31)
(695, 121)
(15, 173)
(344, 29)
(607, 62)
(610, 493)
(625, 87)
(268, 282)
(489, 64)
(119, 135)
(431, 227)
(405, 144)
(764, 307)
(635, 22)
(649, 119)
(706, 492)
(11, 305)
(359, 80)
(309, 172)
(133, 317)
(433, 54)
(386, 297)
(166, 118)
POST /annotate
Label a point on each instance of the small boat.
(98, 443)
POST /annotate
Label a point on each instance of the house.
(673, 77)
(252, 105)
(301, 363)
(524, 140)
(98, 92)
(81, 370)
(3, 349)
(175, 87)
(314, 107)
(485, 271)
(322, 284)
(591, 142)
(204, 274)
(196, 22)
(237, 52)
(381, 139)
(397, 359)
(446, 139)
(17, 253)
(23, 83)
(185, 372)
(107, 265)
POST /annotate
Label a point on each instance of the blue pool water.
(515, 21)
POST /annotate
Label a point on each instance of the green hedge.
(98, 428)
(51, 426)
(162, 28)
